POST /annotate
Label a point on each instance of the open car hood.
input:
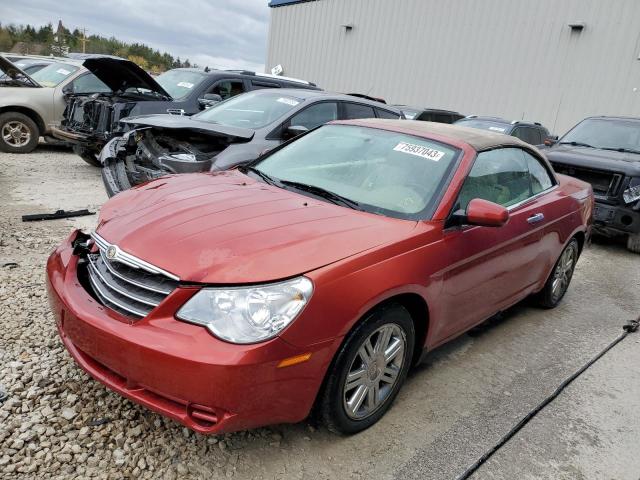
(119, 74)
(189, 123)
(13, 72)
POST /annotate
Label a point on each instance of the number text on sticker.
(419, 150)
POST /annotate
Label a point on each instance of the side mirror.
(293, 131)
(550, 141)
(209, 100)
(483, 213)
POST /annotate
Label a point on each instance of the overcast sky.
(217, 33)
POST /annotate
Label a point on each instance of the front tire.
(87, 156)
(368, 371)
(633, 242)
(561, 275)
(18, 133)
(114, 177)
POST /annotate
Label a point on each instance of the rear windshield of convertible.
(386, 173)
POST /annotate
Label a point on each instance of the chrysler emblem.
(111, 252)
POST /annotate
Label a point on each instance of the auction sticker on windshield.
(419, 150)
(62, 71)
(288, 101)
(497, 129)
(185, 84)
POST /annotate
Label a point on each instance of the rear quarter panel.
(569, 207)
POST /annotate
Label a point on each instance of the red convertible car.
(317, 275)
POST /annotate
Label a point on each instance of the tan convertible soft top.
(478, 139)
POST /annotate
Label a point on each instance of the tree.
(122, 52)
(5, 40)
(41, 40)
(140, 61)
(45, 34)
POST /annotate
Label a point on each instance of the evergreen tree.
(41, 40)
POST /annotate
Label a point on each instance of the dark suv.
(124, 89)
(605, 151)
(228, 134)
(429, 114)
(531, 132)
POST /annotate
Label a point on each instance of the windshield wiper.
(577, 144)
(261, 174)
(621, 149)
(322, 193)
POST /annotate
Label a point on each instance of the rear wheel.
(633, 242)
(18, 133)
(88, 156)
(368, 371)
(561, 275)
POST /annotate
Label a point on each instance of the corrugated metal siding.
(512, 58)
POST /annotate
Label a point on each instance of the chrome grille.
(125, 283)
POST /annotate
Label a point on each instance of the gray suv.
(230, 133)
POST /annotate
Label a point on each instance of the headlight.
(632, 193)
(248, 314)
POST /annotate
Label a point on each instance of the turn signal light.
(287, 362)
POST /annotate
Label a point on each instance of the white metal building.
(553, 61)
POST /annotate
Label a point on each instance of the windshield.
(54, 74)
(250, 110)
(179, 83)
(387, 173)
(606, 133)
(498, 127)
(15, 79)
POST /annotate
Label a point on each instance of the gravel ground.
(56, 422)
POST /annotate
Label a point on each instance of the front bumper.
(177, 369)
(615, 219)
(91, 143)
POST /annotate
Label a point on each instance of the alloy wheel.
(16, 133)
(374, 371)
(563, 272)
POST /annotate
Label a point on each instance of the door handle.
(538, 217)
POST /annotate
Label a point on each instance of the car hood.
(119, 74)
(628, 163)
(15, 73)
(225, 228)
(189, 123)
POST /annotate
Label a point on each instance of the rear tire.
(633, 242)
(374, 360)
(558, 282)
(87, 156)
(18, 133)
(114, 177)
